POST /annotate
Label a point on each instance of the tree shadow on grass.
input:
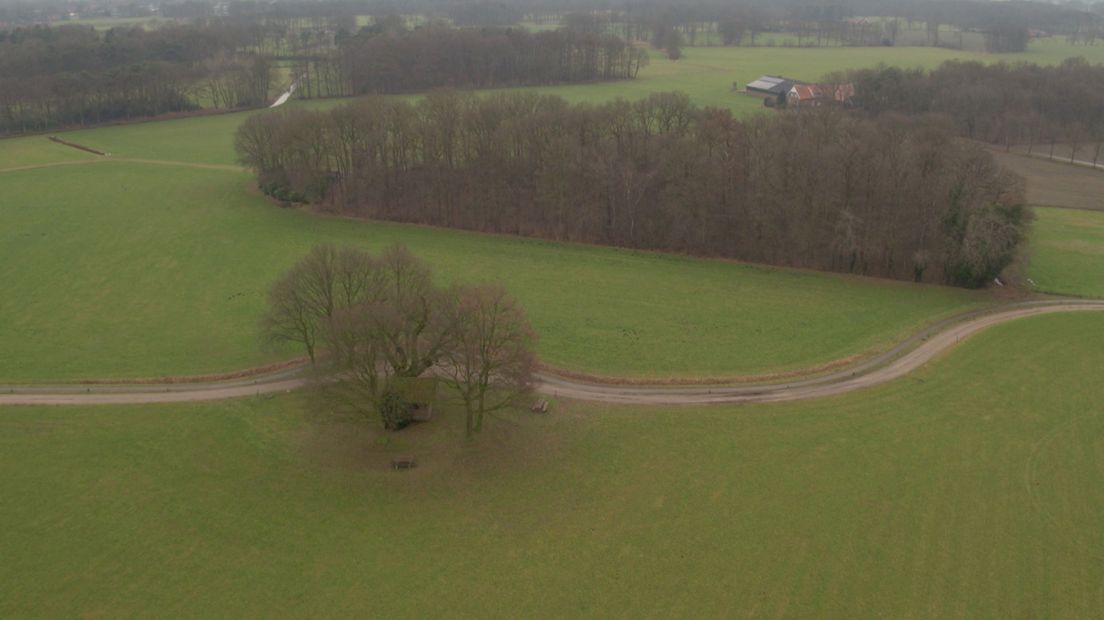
(511, 441)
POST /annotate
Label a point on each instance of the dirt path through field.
(885, 368)
(131, 160)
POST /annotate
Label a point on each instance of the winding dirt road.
(901, 360)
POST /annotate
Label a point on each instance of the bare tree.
(409, 314)
(490, 359)
(302, 301)
(394, 329)
(360, 377)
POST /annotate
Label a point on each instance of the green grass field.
(141, 270)
(707, 73)
(1068, 252)
(35, 151)
(972, 489)
(116, 269)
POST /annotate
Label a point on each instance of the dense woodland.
(895, 196)
(1022, 104)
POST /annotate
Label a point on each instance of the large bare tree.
(305, 298)
(489, 359)
(393, 328)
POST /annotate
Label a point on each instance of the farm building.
(805, 95)
(771, 86)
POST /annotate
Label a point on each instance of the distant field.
(1067, 252)
(706, 74)
(107, 23)
(973, 489)
(1057, 184)
(116, 269)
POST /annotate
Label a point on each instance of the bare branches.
(819, 188)
(489, 360)
(302, 301)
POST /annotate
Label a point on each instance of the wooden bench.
(541, 406)
(403, 462)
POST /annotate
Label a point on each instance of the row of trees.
(1000, 27)
(997, 103)
(896, 197)
(401, 61)
(73, 75)
(372, 325)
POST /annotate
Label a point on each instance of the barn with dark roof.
(771, 87)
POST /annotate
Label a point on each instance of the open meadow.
(1067, 241)
(1067, 249)
(157, 270)
(959, 491)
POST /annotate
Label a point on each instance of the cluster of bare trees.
(997, 103)
(74, 75)
(401, 61)
(371, 325)
(895, 197)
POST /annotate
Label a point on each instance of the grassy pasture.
(203, 139)
(35, 151)
(1068, 252)
(117, 269)
(707, 73)
(972, 489)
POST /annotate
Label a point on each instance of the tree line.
(894, 196)
(1020, 104)
(1000, 27)
(74, 75)
(396, 60)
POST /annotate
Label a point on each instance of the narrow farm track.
(887, 367)
(129, 160)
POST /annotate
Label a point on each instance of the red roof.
(806, 92)
(811, 92)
